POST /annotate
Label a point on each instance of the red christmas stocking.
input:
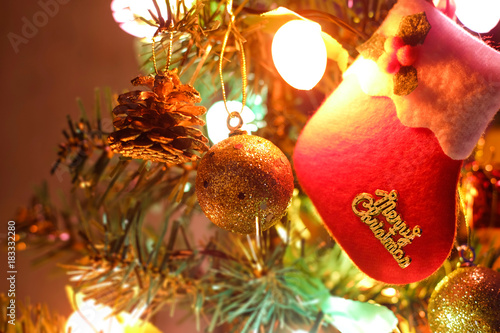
(381, 158)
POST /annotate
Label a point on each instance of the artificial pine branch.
(257, 291)
(30, 318)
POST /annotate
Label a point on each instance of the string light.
(93, 318)
(299, 53)
(478, 15)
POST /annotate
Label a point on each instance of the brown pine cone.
(156, 125)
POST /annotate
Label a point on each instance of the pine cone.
(156, 125)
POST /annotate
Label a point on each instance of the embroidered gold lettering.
(368, 210)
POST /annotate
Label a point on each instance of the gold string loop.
(231, 116)
(467, 255)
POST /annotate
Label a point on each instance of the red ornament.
(368, 150)
(482, 194)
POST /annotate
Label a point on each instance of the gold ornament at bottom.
(241, 178)
(466, 301)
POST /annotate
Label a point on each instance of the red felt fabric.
(354, 144)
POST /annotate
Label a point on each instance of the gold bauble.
(466, 301)
(241, 178)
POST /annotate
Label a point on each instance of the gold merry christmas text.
(368, 209)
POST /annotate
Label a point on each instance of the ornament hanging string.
(466, 251)
(169, 52)
(163, 26)
(258, 233)
(231, 27)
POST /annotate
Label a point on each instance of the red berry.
(407, 55)
(392, 44)
(389, 63)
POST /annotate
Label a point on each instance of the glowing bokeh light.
(389, 292)
(478, 15)
(217, 120)
(127, 14)
(93, 318)
(299, 53)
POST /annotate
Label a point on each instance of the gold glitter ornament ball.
(466, 301)
(242, 177)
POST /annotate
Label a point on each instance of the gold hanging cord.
(466, 251)
(162, 27)
(169, 53)
(232, 28)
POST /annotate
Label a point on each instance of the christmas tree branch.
(29, 318)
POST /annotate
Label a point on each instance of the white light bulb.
(127, 14)
(478, 15)
(93, 318)
(299, 53)
(217, 120)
